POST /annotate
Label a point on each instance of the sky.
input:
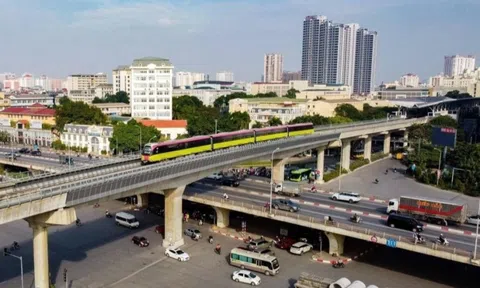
(62, 37)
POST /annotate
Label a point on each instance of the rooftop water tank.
(340, 283)
(357, 284)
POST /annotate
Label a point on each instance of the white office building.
(183, 79)
(458, 65)
(273, 68)
(121, 79)
(95, 138)
(409, 80)
(151, 88)
(225, 76)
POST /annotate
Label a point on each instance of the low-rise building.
(116, 109)
(474, 89)
(170, 129)
(95, 138)
(27, 100)
(400, 92)
(207, 96)
(280, 89)
(217, 85)
(86, 95)
(4, 101)
(103, 89)
(36, 115)
(323, 91)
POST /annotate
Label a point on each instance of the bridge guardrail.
(313, 220)
(375, 123)
(358, 123)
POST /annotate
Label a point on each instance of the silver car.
(192, 232)
(285, 204)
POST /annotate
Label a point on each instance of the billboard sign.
(36, 124)
(446, 137)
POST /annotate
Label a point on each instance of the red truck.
(430, 210)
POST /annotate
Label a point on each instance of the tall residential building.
(183, 79)
(272, 68)
(410, 80)
(291, 76)
(121, 77)
(328, 54)
(42, 82)
(27, 81)
(365, 61)
(151, 88)
(225, 76)
(457, 65)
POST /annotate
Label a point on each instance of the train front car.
(147, 152)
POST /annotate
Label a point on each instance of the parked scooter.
(338, 264)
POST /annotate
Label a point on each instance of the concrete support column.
(173, 217)
(336, 242)
(142, 200)
(346, 147)
(223, 217)
(278, 171)
(320, 164)
(386, 144)
(367, 148)
(40, 254)
(405, 139)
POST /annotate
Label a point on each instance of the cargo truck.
(285, 189)
(429, 210)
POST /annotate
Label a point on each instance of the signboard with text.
(444, 136)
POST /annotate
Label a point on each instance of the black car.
(36, 153)
(404, 222)
(230, 182)
(24, 151)
(140, 241)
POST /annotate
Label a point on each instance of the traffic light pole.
(65, 277)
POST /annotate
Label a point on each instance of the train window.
(232, 137)
(271, 131)
(197, 143)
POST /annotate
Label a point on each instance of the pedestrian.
(186, 217)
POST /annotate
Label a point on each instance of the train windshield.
(147, 150)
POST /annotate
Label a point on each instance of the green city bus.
(300, 174)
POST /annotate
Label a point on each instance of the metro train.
(156, 152)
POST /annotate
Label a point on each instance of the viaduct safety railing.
(94, 188)
(346, 227)
(372, 123)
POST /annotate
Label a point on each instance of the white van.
(127, 220)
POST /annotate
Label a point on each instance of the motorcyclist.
(313, 189)
(442, 238)
(210, 239)
(355, 217)
(225, 196)
(330, 218)
(417, 237)
(77, 222)
(218, 248)
(376, 181)
(107, 213)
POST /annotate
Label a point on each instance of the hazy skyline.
(61, 37)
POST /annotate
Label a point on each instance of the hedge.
(358, 163)
(333, 174)
(378, 156)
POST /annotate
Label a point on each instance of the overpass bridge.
(51, 200)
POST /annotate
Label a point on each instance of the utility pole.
(65, 277)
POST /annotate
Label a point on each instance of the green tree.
(292, 93)
(128, 135)
(339, 120)
(4, 137)
(444, 121)
(77, 113)
(257, 125)
(119, 97)
(349, 111)
(455, 94)
(274, 121)
(233, 122)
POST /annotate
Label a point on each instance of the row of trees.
(464, 157)
(119, 97)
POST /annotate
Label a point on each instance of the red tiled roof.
(34, 110)
(165, 123)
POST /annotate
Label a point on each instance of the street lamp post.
(216, 126)
(439, 164)
(140, 139)
(21, 265)
(340, 166)
(151, 139)
(476, 234)
(271, 180)
(453, 174)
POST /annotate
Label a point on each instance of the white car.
(215, 176)
(247, 277)
(474, 220)
(300, 248)
(177, 254)
(350, 197)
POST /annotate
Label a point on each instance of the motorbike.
(338, 264)
(210, 239)
(218, 250)
(313, 189)
(108, 215)
(14, 246)
(195, 237)
(355, 219)
(420, 240)
(444, 242)
(78, 223)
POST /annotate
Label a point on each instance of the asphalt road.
(100, 254)
(464, 242)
